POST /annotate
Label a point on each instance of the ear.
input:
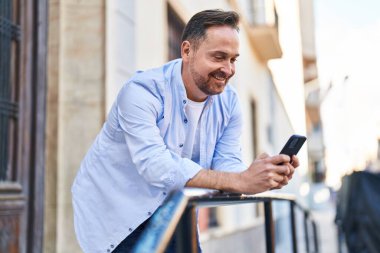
(185, 50)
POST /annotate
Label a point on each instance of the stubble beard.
(205, 84)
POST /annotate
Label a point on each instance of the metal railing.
(177, 217)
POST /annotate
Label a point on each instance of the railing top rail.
(212, 198)
(203, 198)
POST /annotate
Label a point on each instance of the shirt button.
(164, 193)
(181, 145)
(112, 246)
(184, 101)
(130, 229)
(185, 120)
(108, 250)
(149, 213)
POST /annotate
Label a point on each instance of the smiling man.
(208, 60)
(170, 127)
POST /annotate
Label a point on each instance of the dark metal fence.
(177, 217)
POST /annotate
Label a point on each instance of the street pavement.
(327, 230)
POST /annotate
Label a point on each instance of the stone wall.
(75, 108)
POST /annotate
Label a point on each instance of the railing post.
(293, 227)
(269, 226)
(340, 237)
(186, 232)
(306, 228)
(315, 237)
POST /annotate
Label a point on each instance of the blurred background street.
(327, 228)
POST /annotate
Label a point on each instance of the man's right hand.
(266, 173)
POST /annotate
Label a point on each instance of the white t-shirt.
(191, 146)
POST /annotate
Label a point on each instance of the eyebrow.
(223, 53)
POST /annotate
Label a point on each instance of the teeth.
(220, 77)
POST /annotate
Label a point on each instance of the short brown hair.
(195, 29)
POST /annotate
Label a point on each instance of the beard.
(206, 85)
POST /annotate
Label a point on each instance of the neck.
(192, 91)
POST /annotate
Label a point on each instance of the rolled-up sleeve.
(227, 154)
(138, 112)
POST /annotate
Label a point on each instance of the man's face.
(212, 64)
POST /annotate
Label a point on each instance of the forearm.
(218, 180)
(263, 174)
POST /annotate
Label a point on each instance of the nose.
(228, 68)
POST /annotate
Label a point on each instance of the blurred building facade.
(93, 47)
(313, 100)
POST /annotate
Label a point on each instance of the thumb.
(262, 156)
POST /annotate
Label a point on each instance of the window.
(176, 26)
(9, 50)
(261, 12)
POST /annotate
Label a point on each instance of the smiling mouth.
(220, 76)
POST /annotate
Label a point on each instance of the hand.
(267, 172)
(292, 165)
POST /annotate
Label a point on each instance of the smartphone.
(293, 145)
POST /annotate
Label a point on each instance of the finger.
(262, 156)
(282, 169)
(291, 169)
(278, 159)
(285, 181)
(290, 175)
(295, 161)
(278, 178)
(281, 184)
(276, 185)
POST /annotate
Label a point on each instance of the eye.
(233, 60)
(219, 57)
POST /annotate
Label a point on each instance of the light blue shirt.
(135, 161)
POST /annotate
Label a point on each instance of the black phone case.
(293, 145)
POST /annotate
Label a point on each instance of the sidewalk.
(327, 232)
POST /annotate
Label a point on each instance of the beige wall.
(308, 28)
(75, 108)
(142, 44)
(50, 215)
(120, 46)
(288, 78)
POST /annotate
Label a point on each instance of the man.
(171, 127)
